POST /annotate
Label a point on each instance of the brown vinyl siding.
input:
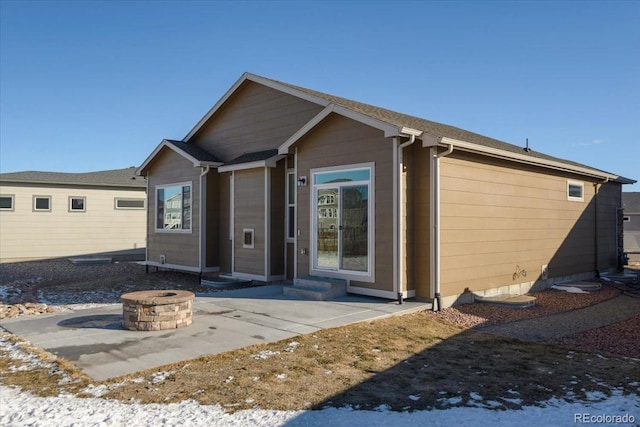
(224, 200)
(498, 220)
(255, 118)
(339, 141)
(278, 201)
(418, 165)
(249, 213)
(179, 248)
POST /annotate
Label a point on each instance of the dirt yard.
(419, 361)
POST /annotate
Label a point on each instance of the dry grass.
(410, 362)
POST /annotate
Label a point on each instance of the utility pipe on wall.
(435, 220)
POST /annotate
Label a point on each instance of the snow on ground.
(22, 409)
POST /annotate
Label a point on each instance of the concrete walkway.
(95, 341)
(567, 323)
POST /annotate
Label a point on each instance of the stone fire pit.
(157, 310)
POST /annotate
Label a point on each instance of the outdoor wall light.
(302, 181)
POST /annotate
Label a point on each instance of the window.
(575, 191)
(42, 203)
(291, 205)
(77, 204)
(173, 207)
(129, 203)
(342, 215)
(247, 238)
(626, 218)
(6, 202)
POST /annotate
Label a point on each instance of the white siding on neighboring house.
(100, 227)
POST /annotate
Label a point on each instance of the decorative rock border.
(157, 310)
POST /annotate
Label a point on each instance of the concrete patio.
(96, 342)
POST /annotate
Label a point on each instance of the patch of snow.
(95, 391)
(515, 401)
(570, 289)
(595, 395)
(413, 397)
(475, 396)
(292, 346)
(281, 376)
(158, 377)
(265, 354)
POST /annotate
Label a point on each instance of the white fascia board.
(256, 79)
(216, 107)
(521, 158)
(389, 130)
(284, 148)
(184, 154)
(268, 163)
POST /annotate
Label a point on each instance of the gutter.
(595, 232)
(435, 222)
(398, 205)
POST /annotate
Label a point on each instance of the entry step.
(317, 288)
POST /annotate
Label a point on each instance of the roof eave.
(521, 158)
(266, 163)
(165, 143)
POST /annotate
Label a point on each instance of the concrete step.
(317, 288)
(319, 282)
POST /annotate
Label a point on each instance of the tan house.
(631, 225)
(52, 214)
(286, 182)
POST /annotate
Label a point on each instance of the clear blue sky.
(93, 85)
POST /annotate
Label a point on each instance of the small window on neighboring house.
(626, 218)
(6, 202)
(575, 191)
(129, 203)
(77, 204)
(42, 203)
(247, 239)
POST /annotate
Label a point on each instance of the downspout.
(203, 223)
(146, 242)
(400, 223)
(595, 233)
(435, 218)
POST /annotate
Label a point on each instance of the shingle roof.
(111, 178)
(194, 151)
(631, 202)
(433, 128)
(253, 157)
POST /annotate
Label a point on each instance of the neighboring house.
(286, 182)
(631, 224)
(49, 214)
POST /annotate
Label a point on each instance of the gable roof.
(398, 124)
(631, 202)
(109, 178)
(193, 153)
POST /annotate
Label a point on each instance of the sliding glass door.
(341, 228)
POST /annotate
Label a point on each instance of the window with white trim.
(77, 204)
(124, 203)
(575, 191)
(173, 207)
(626, 219)
(6, 202)
(42, 203)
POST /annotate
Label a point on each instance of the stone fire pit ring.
(157, 310)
